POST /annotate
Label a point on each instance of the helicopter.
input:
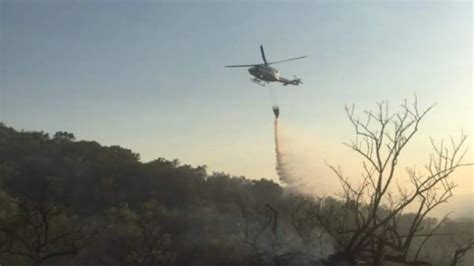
(264, 73)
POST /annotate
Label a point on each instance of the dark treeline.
(102, 206)
(68, 202)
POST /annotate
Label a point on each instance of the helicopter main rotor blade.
(286, 60)
(243, 65)
(263, 54)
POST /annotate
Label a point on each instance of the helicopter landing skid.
(259, 82)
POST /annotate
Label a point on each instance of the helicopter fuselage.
(265, 73)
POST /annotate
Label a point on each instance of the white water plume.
(296, 168)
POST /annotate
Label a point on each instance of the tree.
(373, 208)
(135, 238)
(63, 136)
(39, 231)
(460, 252)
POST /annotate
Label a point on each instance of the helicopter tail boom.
(296, 81)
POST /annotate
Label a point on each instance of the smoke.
(299, 170)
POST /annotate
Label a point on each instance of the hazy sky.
(149, 75)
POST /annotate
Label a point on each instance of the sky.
(150, 76)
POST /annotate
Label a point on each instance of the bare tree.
(376, 204)
(152, 246)
(460, 252)
(40, 232)
(289, 233)
(259, 228)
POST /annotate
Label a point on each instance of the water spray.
(281, 165)
(292, 169)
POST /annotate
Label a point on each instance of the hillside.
(70, 202)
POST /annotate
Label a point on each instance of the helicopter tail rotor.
(296, 81)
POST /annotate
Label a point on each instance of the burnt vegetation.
(69, 202)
